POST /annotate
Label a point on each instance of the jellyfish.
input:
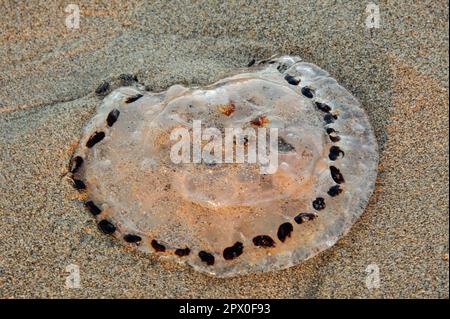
(161, 173)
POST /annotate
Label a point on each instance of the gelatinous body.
(228, 219)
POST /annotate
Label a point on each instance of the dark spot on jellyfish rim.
(328, 118)
(157, 246)
(334, 190)
(284, 146)
(94, 209)
(319, 203)
(206, 257)
(181, 252)
(133, 98)
(95, 138)
(333, 135)
(106, 227)
(334, 139)
(127, 78)
(335, 152)
(284, 231)
(304, 217)
(292, 80)
(79, 184)
(307, 92)
(75, 163)
(234, 251)
(251, 63)
(323, 107)
(102, 88)
(336, 175)
(263, 241)
(130, 238)
(112, 117)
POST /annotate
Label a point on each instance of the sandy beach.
(48, 75)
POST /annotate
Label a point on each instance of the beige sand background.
(47, 77)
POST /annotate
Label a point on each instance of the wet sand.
(48, 76)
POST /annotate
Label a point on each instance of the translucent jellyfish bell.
(228, 219)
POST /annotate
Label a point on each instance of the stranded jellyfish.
(230, 217)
